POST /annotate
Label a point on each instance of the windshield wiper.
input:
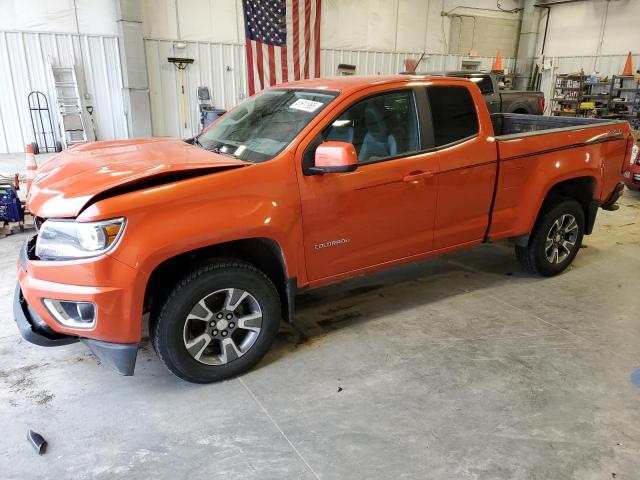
(196, 141)
(218, 149)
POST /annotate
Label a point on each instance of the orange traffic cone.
(628, 67)
(497, 65)
(32, 166)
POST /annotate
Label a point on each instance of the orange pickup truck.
(305, 184)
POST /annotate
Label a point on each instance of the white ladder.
(69, 106)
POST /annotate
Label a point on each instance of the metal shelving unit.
(568, 94)
(599, 94)
(578, 95)
(624, 102)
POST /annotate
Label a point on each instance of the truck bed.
(507, 126)
(535, 152)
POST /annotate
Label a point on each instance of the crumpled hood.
(68, 182)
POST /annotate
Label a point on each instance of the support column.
(527, 42)
(134, 68)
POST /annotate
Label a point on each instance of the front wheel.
(555, 240)
(218, 322)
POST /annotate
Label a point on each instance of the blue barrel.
(10, 210)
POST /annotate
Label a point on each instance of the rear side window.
(483, 82)
(454, 114)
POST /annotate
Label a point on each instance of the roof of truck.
(455, 73)
(356, 82)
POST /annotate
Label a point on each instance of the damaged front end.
(34, 329)
(73, 284)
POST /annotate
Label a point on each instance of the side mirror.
(335, 157)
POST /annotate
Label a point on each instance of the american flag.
(282, 41)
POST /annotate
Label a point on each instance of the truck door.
(468, 165)
(385, 209)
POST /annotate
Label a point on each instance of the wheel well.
(580, 189)
(264, 253)
(520, 110)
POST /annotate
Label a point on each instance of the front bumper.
(119, 357)
(32, 328)
(632, 176)
(116, 335)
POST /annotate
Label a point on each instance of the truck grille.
(38, 221)
(636, 178)
(31, 248)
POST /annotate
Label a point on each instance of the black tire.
(534, 256)
(35, 147)
(221, 274)
(58, 146)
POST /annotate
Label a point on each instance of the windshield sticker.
(305, 105)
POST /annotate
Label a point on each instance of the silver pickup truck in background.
(499, 100)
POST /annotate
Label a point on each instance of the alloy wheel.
(222, 326)
(561, 238)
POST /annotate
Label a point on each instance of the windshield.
(263, 125)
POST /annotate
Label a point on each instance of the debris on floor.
(37, 441)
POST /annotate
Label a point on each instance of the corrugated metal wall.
(222, 67)
(218, 66)
(26, 59)
(384, 63)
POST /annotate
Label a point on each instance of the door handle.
(416, 176)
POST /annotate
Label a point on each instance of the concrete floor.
(462, 367)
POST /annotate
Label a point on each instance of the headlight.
(67, 239)
(634, 154)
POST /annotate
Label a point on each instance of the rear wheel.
(555, 239)
(35, 148)
(218, 322)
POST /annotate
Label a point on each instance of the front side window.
(263, 125)
(454, 114)
(378, 127)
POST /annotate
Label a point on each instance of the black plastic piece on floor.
(37, 441)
